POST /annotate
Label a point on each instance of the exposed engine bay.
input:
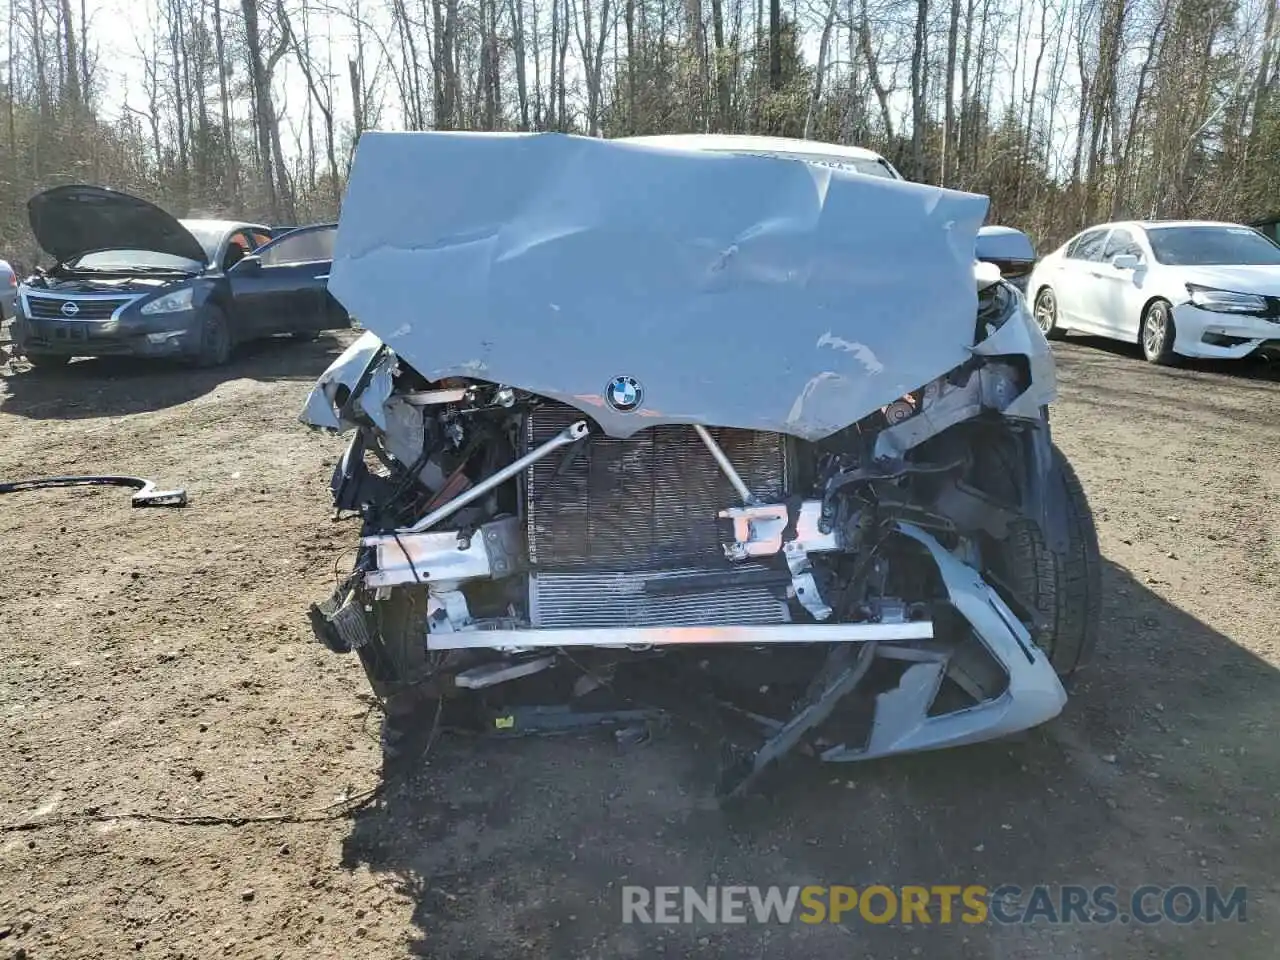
(533, 543)
(873, 548)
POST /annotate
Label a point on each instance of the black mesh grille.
(643, 504)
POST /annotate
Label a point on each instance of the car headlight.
(1226, 301)
(174, 302)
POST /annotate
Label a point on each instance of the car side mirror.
(1125, 261)
(248, 264)
(1009, 249)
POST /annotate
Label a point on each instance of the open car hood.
(74, 220)
(646, 285)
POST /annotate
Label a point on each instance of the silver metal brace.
(570, 434)
(725, 465)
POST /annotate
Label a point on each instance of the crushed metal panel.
(761, 293)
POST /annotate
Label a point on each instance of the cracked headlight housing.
(174, 302)
(1225, 301)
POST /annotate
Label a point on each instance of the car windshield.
(1212, 246)
(867, 166)
(208, 237)
(134, 260)
(871, 168)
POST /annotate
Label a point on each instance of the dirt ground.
(161, 695)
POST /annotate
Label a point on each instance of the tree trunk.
(86, 79)
(262, 99)
(517, 43)
(630, 15)
(1262, 88)
(357, 103)
(1031, 105)
(960, 163)
(71, 71)
(224, 102)
(723, 78)
(919, 88)
(552, 77)
(775, 45)
(823, 44)
(562, 113)
(949, 94)
(873, 72)
(539, 105)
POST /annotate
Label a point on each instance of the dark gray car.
(130, 279)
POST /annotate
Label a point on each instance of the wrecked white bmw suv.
(642, 429)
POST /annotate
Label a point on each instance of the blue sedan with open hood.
(130, 279)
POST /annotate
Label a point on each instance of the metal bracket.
(803, 583)
(494, 551)
(447, 611)
(758, 530)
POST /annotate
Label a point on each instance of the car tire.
(47, 361)
(1157, 333)
(395, 661)
(215, 339)
(1046, 314)
(1065, 591)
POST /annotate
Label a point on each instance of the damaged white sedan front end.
(765, 444)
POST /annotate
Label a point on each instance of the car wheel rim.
(1044, 313)
(1153, 334)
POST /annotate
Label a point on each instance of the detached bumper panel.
(1034, 694)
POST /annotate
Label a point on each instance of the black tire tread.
(206, 359)
(1066, 591)
(396, 658)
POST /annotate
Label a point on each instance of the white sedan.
(1177, 288)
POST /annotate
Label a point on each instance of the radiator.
(625, 512)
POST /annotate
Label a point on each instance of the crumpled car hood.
(645, 285)
(73, 220)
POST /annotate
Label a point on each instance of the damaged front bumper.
(1213, 335)
(904, 718)
(896, 659)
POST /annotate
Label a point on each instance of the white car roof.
(1158, 224)
(741, 142)
(226, 226)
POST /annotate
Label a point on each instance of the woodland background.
(1064, 112)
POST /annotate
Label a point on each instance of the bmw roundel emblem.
(624, 394)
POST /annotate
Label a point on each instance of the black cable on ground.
(147, 495)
